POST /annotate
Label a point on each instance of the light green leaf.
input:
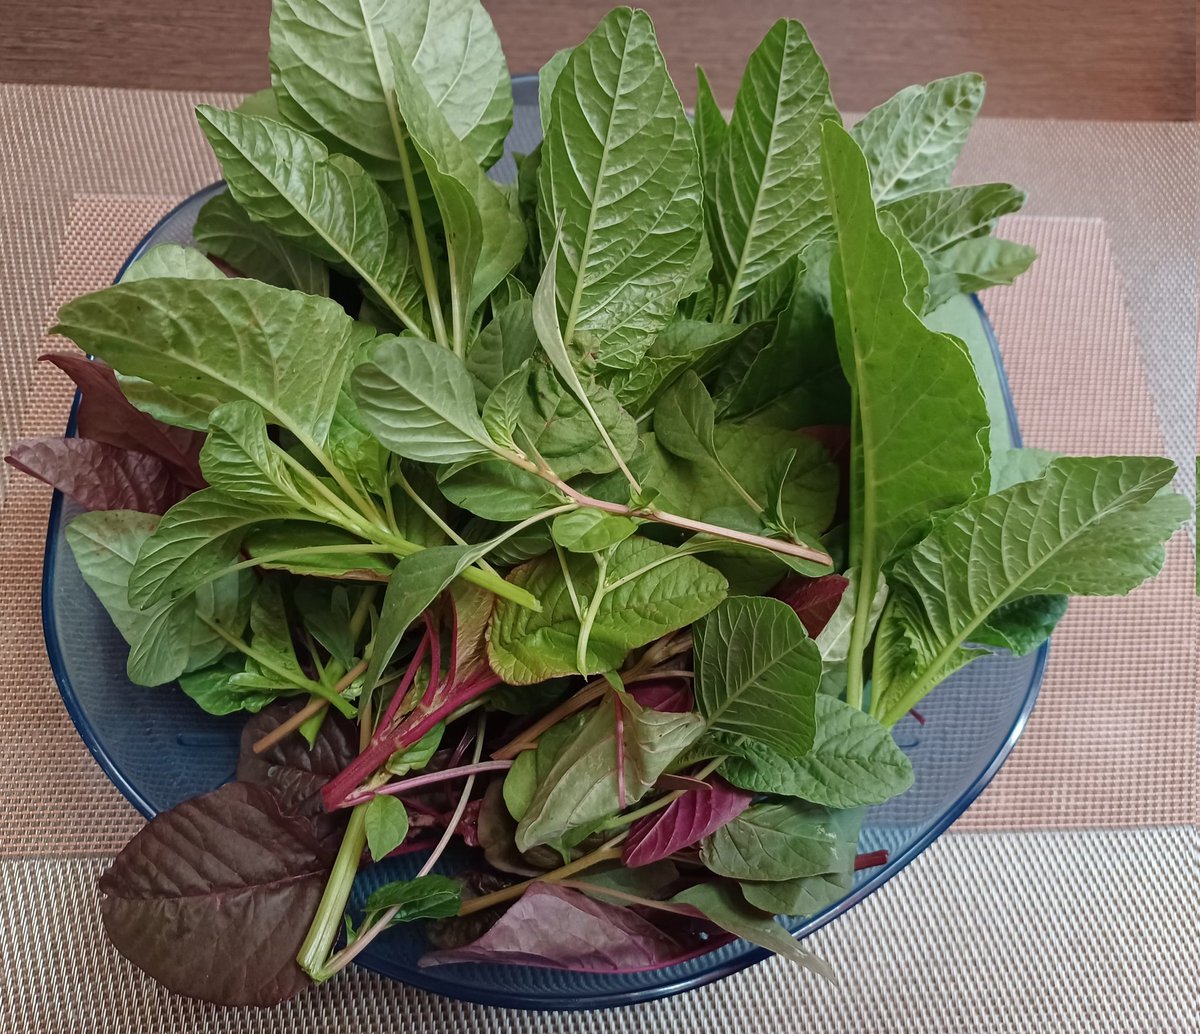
(502, 347)
(332, 72)
(853, 762)
(711, 131)
(757, 673)
(212, 690)
(680, 345)
(484, 235)
(387, 825)
(769, 199)
(683, 422)
(588, 530)
(299, 547)
(581, 786)
(935, 220)
(499, 491)
(912, 266)
(547, 80)
(976, 265)
(260, 102)
(271, 634)
(425, 897)
(912, 141)
(170, 638)
(1011, 466)
(502, 410)
(239, 460)
(1087, 527)
(418, 400)
(834, 639)
(619, 170)
(527, 647)
(803, 896)
(195, 541)
(225, 230)
(171, 260)
(531, 767)
(776, 841)
(327, 204)
(721, 904)
(214, 341)
(416, 757)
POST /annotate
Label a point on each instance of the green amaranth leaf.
(327, 204)
(588, 530)
(425, 897)
(211, 689)
(853, 762)
(807, 895)
(526, 647)
(935, 220)
(225, 230)
(768, 202)
(332, 73)
(502, 411)
(757, 673)
(547, 79)
(679, 346)
(581, 786)
(301, 543)
(619, 170)
(416, 757)
(485, 238)
(418, 400)
(721, 904)
(683, 423)
(777, 841)
(711, 131)
(498, 491)
(171, 260)
(240, 461)
(167, 639)
(531, 767)
(1088, 527)
(912, 141)
(502, 347)
(976, 265)
(214, 341)
(326, 611)
(387, 825)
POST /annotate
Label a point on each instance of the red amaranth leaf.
(106, 415)
(558, 928)
(813, 599)
(99, 476)
(214, 897)
(685, 821)
(670, 695)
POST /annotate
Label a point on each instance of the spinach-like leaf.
(484, 236)
(853, 762)
(664, 591)
(975, 265)
(619, 170)
(582, 787)
(711, 132)
(240, 460)
(387, 825)
(1086, 527)
(327, 204)
(425, 897)
(547, 79)
(721, 904)
(589, 531)
(768, 201)
(225, 230)
(212, 688)
(418, 400)
(757, 673)
(912, 140)
(678, 346)
(775, 841)
(214, 341)
(213, 898)
(167, 639)
(171, 260)
(333, 76)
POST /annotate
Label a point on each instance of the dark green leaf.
(387, 825)
(426, 897)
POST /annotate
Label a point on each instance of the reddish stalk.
(870, 860)
(425, 779)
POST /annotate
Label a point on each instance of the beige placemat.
(1064, 900)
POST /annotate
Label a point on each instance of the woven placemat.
(1065, 898)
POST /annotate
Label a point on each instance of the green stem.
(568, 581)
(656, 805)
(327, 923)
(292, 678)
(589, 616)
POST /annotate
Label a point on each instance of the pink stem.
(402, 690)
(870, 860)
(425, 779)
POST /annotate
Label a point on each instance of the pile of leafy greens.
(601, 524)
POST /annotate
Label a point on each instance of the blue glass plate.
(159, 748)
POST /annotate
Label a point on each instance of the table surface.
(1099, 59)
(1063, 900)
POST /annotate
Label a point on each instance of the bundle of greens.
(598, 526)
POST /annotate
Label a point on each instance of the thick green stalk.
(327, 923)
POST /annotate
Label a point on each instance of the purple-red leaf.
(214, 897)
(99, 476)
(290, 769)
(685, 821)
(106, 415)
(813, 599)
(558, 928)
(671, 695)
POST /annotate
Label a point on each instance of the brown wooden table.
(1086, 59)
